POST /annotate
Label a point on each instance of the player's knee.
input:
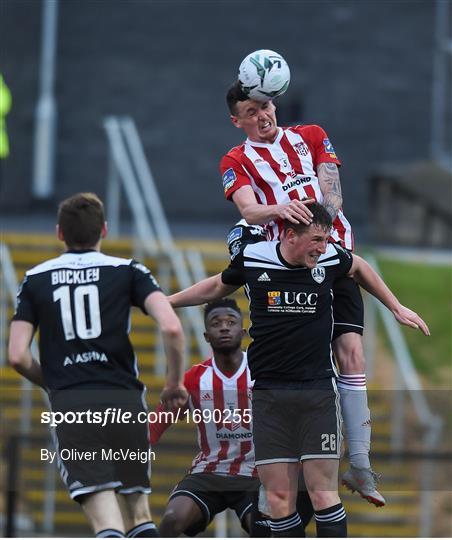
(278, 500)
(323, 499)
(349, 353)
(172, 524)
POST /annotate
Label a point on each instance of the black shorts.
(213, 493)
(348, 307)
(92, 457)
(296, 421)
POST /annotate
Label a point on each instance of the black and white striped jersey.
(290, 310)
(81, 303)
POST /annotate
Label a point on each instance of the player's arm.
(158, 307)
(19, 353)
(162, 420)
(330, 186)
(204, 291)
(258, 214)
(365, 275)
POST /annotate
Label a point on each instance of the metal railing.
(129, 170)
(408, 383)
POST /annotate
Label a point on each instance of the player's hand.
(410, 318)
(296, 211)
(173, 397)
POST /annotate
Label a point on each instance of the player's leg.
(134, 474)
(321, 481)
(103, 513)
(193, 503)
(349, 353)
(280, 481)
(137, 515)
(304, 503)
(242, 497)
(276, 440)
(91, 480)
(181, 515)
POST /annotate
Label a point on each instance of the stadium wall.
(362, 70)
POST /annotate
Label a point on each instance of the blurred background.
(127, 99)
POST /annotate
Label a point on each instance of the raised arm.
(259, 214)
(365, 275)
(204, 291)
(158, 307)
(330, 185)
(19, 353)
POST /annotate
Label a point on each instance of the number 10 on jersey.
(85, 301)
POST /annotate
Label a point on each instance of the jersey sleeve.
(319, 144)
(25, 309)
(143, 283)
(345, 260)
(235, 272)
(233, 175)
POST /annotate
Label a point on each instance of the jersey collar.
(266, 145)
(236, 375)
(283, 260)
(80, 251)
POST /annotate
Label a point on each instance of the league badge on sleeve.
(318, 274)
(329, 148)
(229, 179)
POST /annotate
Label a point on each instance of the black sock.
(109, 533)
(304, 507)
(331, 522)
(144, 530)
(288, 527)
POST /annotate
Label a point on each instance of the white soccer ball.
(264, 75)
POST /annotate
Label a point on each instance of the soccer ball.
(264, 75)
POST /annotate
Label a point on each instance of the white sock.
(356, 414)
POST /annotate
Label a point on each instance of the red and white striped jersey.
(226, 441)
(282, 171)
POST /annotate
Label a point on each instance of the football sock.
(331, 522)
(356, 414)
(144, 530)
(110, 533)
(288, 527)
(304, 507)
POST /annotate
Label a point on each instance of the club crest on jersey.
(274, 298)
(231, 426)
(329, 148)
(229, 179)
(302, 148)
(318, 274)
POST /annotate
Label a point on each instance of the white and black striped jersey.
(290, 310)
(81, 303)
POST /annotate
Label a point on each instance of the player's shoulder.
(264, 252)
(334, 254)
(234, 153)
(306, 129)
(195, 372)
(78, 261)
(200, 368)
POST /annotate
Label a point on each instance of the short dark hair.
(234, 95)
(320, 216)
(221, 303)
(80, 219)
